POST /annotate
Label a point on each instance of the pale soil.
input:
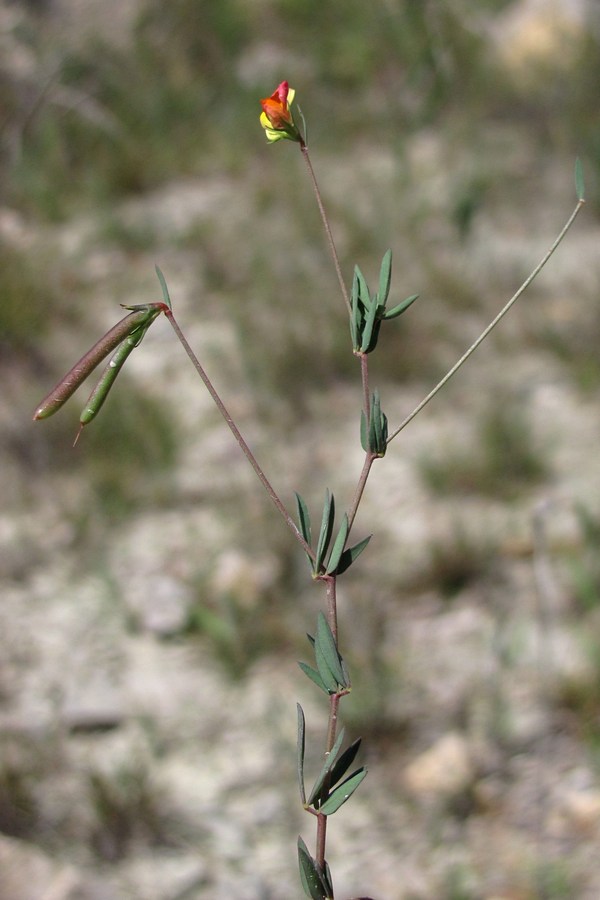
(478, 769)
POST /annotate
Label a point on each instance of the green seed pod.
(107, 379)
(141, 317)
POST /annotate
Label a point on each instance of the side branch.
(237, 435)
(492, 325)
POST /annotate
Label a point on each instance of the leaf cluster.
(330, 791)
(326, 561)
(374, 434)
(331, 674)
(368, 312)
(316, 880)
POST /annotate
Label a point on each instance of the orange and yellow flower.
(276, 117)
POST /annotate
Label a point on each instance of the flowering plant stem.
(330, 580)
(332, 555)
(334, 702)
(370, 456)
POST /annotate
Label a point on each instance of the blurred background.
(152, 604)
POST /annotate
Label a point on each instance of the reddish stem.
(237, 435)
(325, 220)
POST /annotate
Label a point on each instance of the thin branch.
(325, 220)
(237, 435)
(489, 328)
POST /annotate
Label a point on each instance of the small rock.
(581, 808)
(444, 770)
(244, 578)
(28, 874)
(162, 608)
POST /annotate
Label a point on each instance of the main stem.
(321, 842)
(331, 582)
(360, 487)
(334, 702)
(237, 434)
(364, 372)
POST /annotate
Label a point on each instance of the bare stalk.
(325, 220)
(237, 435)
(360, 487)
(364, 372)
(321, 842)
(489, 328)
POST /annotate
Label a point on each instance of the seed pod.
(141, 317)
(107, 379)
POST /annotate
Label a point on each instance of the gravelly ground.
(134, 766)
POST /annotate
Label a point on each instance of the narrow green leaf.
(376, 329)
(304, 519)
(375, 423)
(327, 766)
(379, 444)
(314, 676)
(376, 404)
(338, 546)
(329, 680)
(364, 296)
(384, 432)
(164, 288)
(343, 792)
(354, 291)
(364, 440)
(326, 530)
(325, 643)
(372, 435)
(352, 554)
(579, 183)
(397, 310)
(346, 675)
(328, 880)
(356, 315)
(301, 746)
(344, 762)
(378, 430)
(367, 333)
(311, 876)
(385, 277)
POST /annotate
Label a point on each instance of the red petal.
(282, 92)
